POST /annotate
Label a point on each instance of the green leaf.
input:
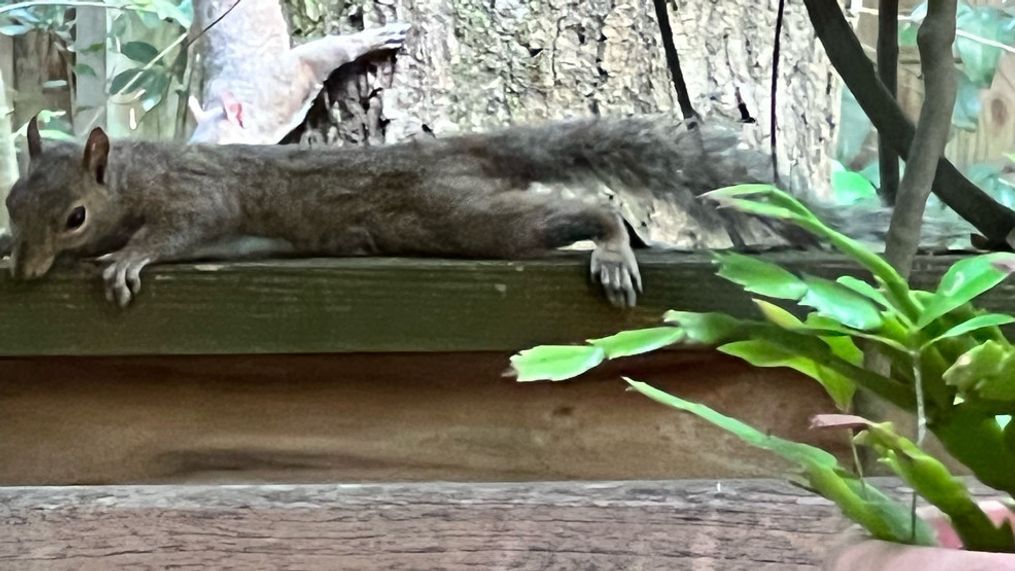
(851, 188)
(636, 342)
(760, 277)
(83, 70)
(777, 315)
(865, 289)
(555, 362)
(838, 302)
(987, 371)
(964, 281)
(182, 14)
(978, 322)
(932, 481)
(141, 52)
(758, 208)
(762, 353)
(704, 328)
(122, 79)
(979, 60)
(154, 88)
(862, 502)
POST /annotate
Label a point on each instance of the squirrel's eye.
(76, 218)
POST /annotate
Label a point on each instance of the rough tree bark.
(935, 39)
(475, 65)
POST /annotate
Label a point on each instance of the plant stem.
(935, 39)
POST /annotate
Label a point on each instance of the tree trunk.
(475, 65)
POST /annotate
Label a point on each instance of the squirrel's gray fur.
(514, 193)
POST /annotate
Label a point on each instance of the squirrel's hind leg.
(520, 224)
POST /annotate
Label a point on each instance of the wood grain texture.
(702, 525)
(374, 304)
(385, 417)
(644, 525)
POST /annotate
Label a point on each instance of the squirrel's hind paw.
(617, 271)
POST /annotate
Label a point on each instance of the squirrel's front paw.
(123, 276)
(617, 271)
(391, 36)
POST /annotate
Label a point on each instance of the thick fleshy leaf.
(777, 315)
(934, 482)
(978, 322)
(555, 362)
(704, 328)
(838, 340)
(759, 277)
(758, 208)
(761, 195)
(865, 289)
(862, 502)
(964, 281)
(762, 353)
(987, 370)
(638, 341)
(828, 326)
(838, 302)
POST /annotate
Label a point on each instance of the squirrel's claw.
(617, 271)
(123, 276)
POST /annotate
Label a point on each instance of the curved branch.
(935, 39)
(992, 219)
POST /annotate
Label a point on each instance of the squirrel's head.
(60, 204)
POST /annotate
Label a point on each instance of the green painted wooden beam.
(370, 305)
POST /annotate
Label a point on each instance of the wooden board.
(373, 304)
(724, 525)
(393, 417)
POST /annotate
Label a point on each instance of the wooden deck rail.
(372, 305)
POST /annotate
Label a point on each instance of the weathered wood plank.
(371, 304)
(723, 525)
(393, 417)
(643, 525)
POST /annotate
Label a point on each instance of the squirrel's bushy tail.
(664, 164)
(658, 165)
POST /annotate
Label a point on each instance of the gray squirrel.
(508, 194)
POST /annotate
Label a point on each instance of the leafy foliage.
(940, 346)
(150, 81)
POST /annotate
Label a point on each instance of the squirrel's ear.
(34, 139)
(97, 154)
(233, 108)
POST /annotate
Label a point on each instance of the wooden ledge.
(721, 524)
(371, 304)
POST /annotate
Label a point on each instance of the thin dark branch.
(775, 87)
(888, 70)
(211, 25)
(989, 217)
(673, 61)
(935, 39)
